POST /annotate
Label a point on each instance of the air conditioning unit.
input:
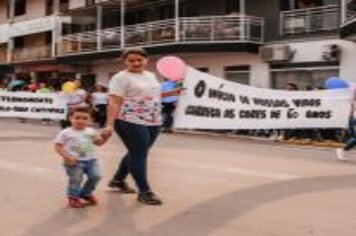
(331, 52)
(276, 53)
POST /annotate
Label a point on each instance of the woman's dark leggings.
(138, 140)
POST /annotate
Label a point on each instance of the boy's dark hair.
(87, 110)
(138, 51)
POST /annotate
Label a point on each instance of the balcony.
(189, 30)
(32, 53)
(309, 20)
(348, 28)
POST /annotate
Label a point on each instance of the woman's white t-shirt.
(100, 98)
(142, 97)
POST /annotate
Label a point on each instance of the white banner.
(214, 103)
(33, 105)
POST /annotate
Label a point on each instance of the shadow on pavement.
(207, 217)
(200, 220)
(59, 223)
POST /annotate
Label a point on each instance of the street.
(212, 186)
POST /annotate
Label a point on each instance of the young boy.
(76, 146)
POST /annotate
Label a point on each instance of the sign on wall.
(37, 25)
(214, 103)
(33, 105)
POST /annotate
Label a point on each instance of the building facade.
(264, 43)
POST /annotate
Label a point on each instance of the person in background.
(76, 98)
(168, 105)
(351, 142)
(292, 134)
(42, 88)
(99, 101)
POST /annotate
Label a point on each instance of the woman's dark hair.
(138, 51)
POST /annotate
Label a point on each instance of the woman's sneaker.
(75, 202)
(149, 198)
(122, 186)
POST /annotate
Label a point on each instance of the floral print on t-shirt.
(144, 110)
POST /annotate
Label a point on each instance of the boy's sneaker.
(91, 199)
(340, 154)
(149, 198)
(122, 186)
(75, 202)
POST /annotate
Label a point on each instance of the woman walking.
(134, 112)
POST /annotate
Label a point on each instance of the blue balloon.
(336, 83)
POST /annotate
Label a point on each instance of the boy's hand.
(70, 161)
(106, 133)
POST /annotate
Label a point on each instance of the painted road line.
(232, 170)
(21, 168)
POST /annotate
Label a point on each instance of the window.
(49, 7)
(232, 6)
(8, 12)
(238, 74)
(63, 5)
(20, 7)
(301, 4)
(48, 38)
(203, 69)
(90, 2)
(188, 9)
(303, 78)
(19, 42)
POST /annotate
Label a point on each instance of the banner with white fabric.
(214, 103)
(33, 105)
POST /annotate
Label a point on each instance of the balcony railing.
(215, 29)
(32, 53)
(309, 20)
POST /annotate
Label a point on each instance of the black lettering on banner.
(253, 114)
(318, 114)
(307, 102)
(229, 113)
(20, 109)
(271, 102)
(48, 110)
(201, 111)
(276, 114)
(200, 89)
(244, 100)
(292, 114)
(26, 99)
(220, 95)
(5, 109)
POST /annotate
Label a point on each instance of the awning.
(45, 68)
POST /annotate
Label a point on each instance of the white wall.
(214, 61)
(348, 61)
(312, 52)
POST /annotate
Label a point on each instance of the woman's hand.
(175, 92)
(107, 132)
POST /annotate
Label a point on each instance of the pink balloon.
(172, 68)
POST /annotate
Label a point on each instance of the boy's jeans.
(76, 174)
